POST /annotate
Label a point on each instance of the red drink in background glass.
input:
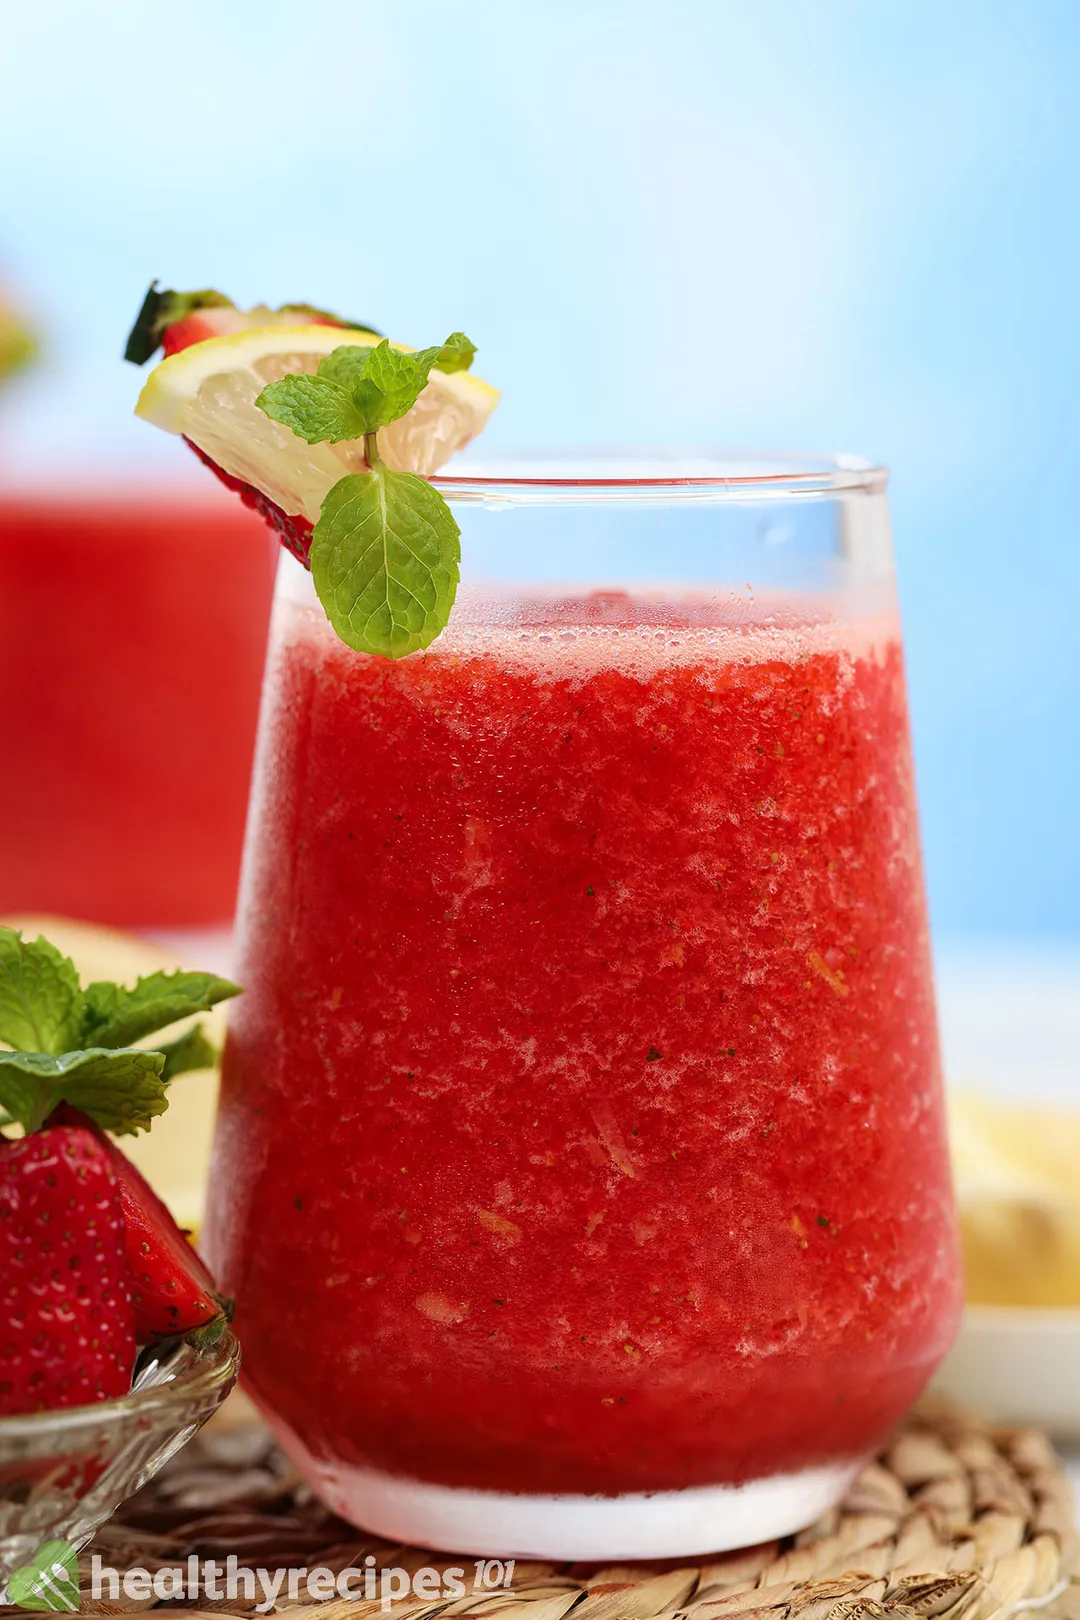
(132, 636)
(581, 1172)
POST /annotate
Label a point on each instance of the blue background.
(820, 224)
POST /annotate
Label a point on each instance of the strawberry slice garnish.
(294, 532)
(174, 320)
(67, 1325)
(172, 1291)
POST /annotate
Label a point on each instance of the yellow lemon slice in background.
(207, 392)
(1017, 1172)
(174, 1156)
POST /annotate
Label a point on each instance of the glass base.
(640, 1524)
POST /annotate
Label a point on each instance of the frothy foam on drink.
(569, 637)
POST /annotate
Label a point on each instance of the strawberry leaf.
(116, 1016)
(41, 1004)
(384, 560)
(121, 1090)
(161, 309)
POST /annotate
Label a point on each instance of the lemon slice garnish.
(207, 392)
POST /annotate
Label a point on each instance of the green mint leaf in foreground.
(41, 1004)
(382, 383)
(187, 1054)
(121, 1090)
(315, 408)
(117, 1016)
(391, 385)
(161, 309)
(384, 561)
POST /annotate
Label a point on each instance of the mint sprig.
(74, 1045)
(386, 550)
(122, 1090)
(116, 1016)
(358, 390)
(189, 1052)
(41, 1006)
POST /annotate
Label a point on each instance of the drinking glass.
(580, 1169)
(132, 639)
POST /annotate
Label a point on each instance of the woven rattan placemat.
(955, 1519)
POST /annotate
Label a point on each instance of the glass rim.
(712, 475)
(210, 1367)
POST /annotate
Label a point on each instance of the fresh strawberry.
(193, 329)
(295, 532)
(172, 1291)
(222, 319)
(174, 320)
(67, 1334)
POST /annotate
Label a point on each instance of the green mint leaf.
(121, 1090)
(315, 408)
(358, 390)
(41, 1004)
(401, 378)
(392, 383)
(456, 354)
(328, 317)
(116, 1016)
(384, 560)
(189, 1052)
(159, 310)
(345, 366)
(382, 383)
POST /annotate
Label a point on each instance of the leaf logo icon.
(49, 1582)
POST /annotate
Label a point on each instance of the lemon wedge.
(1018, 1190)
(207, 393)
(174, 1156)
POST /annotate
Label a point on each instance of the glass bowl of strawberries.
(64, 1472)
(114, 1344)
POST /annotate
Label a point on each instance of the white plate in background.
(1019, 1365)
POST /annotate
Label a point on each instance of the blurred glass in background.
(132, 633)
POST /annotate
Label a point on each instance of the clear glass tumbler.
(132, 639)
(580, 1169)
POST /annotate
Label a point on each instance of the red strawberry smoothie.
(581, 1130)
(132, 636)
